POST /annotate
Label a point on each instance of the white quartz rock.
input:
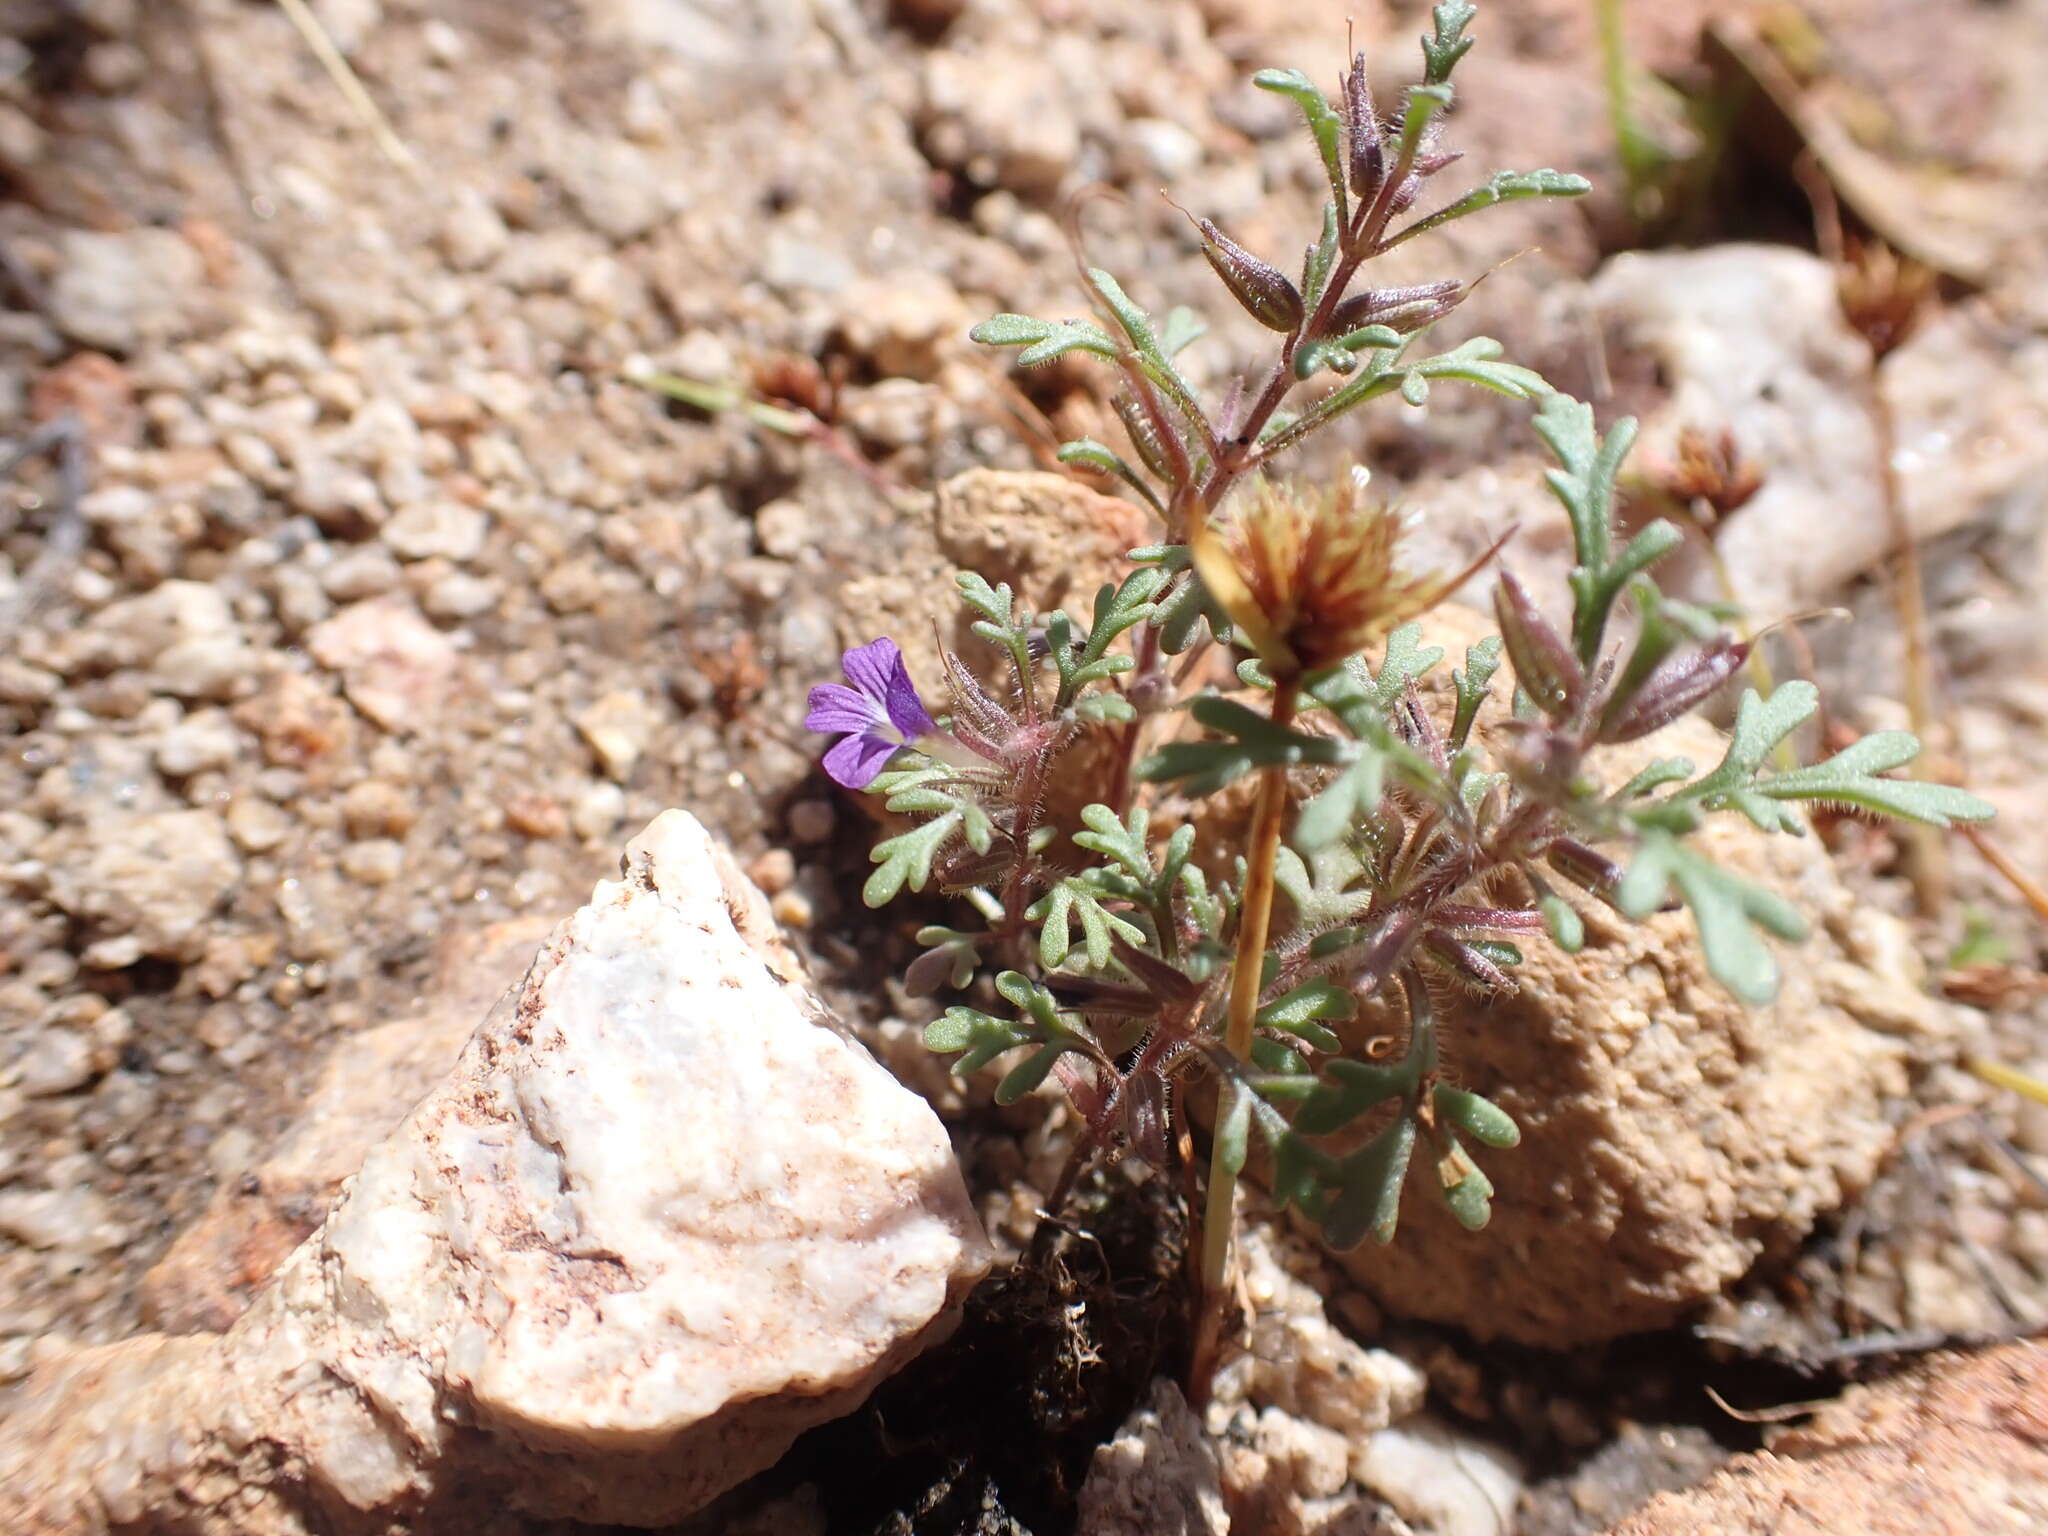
(661, 1218)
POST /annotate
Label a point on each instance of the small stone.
(616, 188)
(395, 666)
(58, 1062)
(597, 811)
(472, 235)
(378, 808)
(71, 1218)
(459, 595)
(784, 528)
(21, 141)
(232, 1152)
(903, 324)
(1170, 151)
(812, 821)
(774, 871)
(538, 816)
(207, 739)
(376, 861)
(1158, 1475)
(792, 909)
(23, 682)
(361, 573)
(152, 880)
(619, 727)
(256, 824)
(1438, 1478)
(430, 528)
(119, 291)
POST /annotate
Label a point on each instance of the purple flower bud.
(880, 713)
(1678, 685)
(1361, 119)
(1400, 309)
(1262, 289)
(1544, 664)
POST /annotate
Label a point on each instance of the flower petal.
(869, 667)
(906, 709)
(855, 761)
(836, 707)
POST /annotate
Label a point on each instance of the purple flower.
(881, 711)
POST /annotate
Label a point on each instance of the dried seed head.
(1710, 473)
(1314, 577)
(1884, 296)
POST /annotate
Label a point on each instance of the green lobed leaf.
(1502, 187)
(1448, 44)
(1323, 123)
(1482, 660)
(1727, 911)
(906, 859)
(1028, 1073)
(1044, 340)
(981, 1037)
(1473, 362)
(1850, 778)
(1089, 454)
(1297, 1011)
(1367, 1197)
(1477, 1116)
(1331, 813)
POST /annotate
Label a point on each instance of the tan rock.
(656, 1223)
(1959, 1448)
(1051, 538)
(395, 667)
(1158, 1477)
(1671, 1136)
(370, 1082)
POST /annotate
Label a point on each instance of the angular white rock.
(661, 1218)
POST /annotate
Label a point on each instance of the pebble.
(360, 573)
(784, 528)
(472, 235)
(459, 595)
(534, 815)
(792, 909)
(116, 291)
(429, 528)
(597, 811)
(58, 1062)
(395, 666)
(378, 808)
(152, 881)
(256, 824)
(204, 740)
(619, 727)
(812, 821)
(774, 871)
(375, 861)
(73, 1218)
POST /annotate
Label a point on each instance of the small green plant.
(1418, 848)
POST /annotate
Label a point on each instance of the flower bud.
(1263, 290)
(1677, 686)
(1399, 309)
(1544, 664)
(1368, 154)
